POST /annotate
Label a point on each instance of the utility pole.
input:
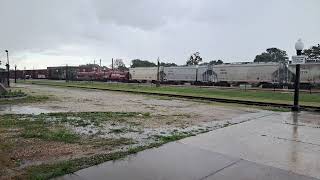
(24, 73)
(15, 73)
(67, 73)
(158, 73)
(112, 64)
(100, 63)
(8, 68)
(196, 75)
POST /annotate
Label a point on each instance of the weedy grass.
(45, 133)
(84, 119)
(51, 126)
(53, 170)
(37, 127)
(174, 137)
(12, 94)
(48, 171)
(27, 99)
(107, 142)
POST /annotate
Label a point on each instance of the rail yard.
(79, 124)
(159, 90)
(268, 75)
(68, 119)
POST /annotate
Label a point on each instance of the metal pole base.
(158, 84)
(295, 108)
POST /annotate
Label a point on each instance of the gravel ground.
(82, 100)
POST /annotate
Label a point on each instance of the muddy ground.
(139, 121)
(85, 100)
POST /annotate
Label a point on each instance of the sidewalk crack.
(220, 169)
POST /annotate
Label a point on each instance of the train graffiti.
(229, 74)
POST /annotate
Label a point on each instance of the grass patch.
(98, 114)
(37, 127)
(54, 170)
(108, 142)
(12, 94)
(84, 119)
(27, 99)
(44, 133)
(174, 137)
(259, 96)
(50, 127)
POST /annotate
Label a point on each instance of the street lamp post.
(299, 47)
(8, 68)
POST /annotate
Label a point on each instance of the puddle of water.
(303, 118)
(14, 109)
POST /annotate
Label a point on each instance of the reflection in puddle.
(302, 118)
(294, 157)
(14, 109)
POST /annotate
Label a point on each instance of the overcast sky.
(41, 33)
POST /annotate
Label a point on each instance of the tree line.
(270, 55)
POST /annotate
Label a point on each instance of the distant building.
(33, 74)
(63, 72)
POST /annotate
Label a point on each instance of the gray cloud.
(39, 33)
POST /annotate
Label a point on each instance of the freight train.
(220, 75)
(309, 72)
(228, 74)
(73, 73)
(111, 75)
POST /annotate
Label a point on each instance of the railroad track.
(222, 100)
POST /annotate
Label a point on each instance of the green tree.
(213, 62)
(194, 59)
(142, 63)
(313, 52)
(272, 55)
(216, 62)
(168, 64)
(89, 67)
(119, 64)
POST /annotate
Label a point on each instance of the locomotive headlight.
(299, 45)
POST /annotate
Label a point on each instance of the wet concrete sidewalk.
(272, 146)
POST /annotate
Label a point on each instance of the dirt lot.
(78, 123)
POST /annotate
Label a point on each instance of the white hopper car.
(250, 73)
(175, 74)
(253, 73)
(143, 74)
(187, 74)
(309, 72)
